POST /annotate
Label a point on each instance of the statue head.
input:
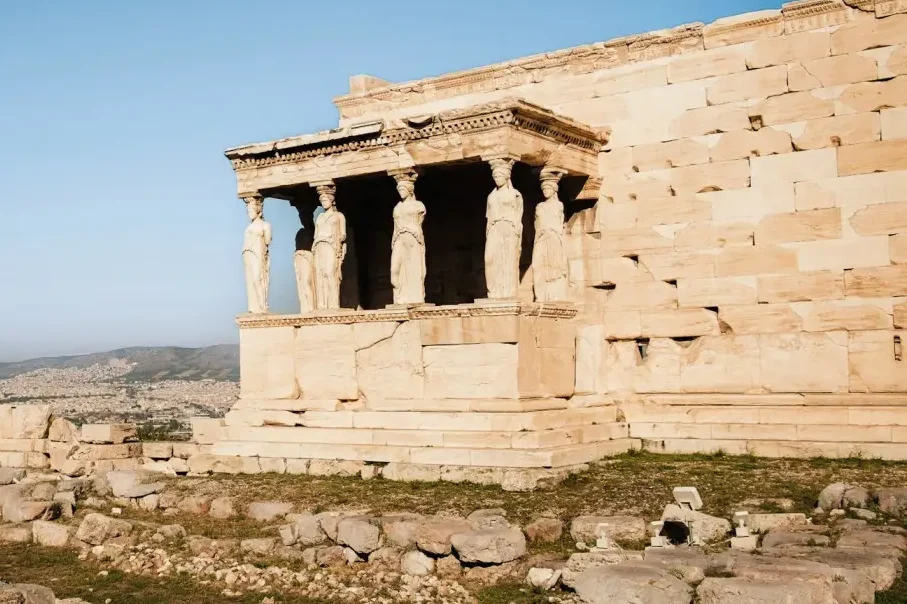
(254, 206)
(550, 178)
(500, 171)
(406, 184)
(326, 195)
(549, 188)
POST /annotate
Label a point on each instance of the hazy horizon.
(124, 228)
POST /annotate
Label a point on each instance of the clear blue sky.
(120, 224)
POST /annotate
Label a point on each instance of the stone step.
(772, 400)
(539, 458)
(771, 432)
(427, 438)
(820, 414)
(778, 449)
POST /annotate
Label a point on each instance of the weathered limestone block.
(834, 131)
(831, 71)
(624, 78)
(471, 371)
(370, 333)
(635, 240)
(877, 281)
(678, 40)
(794, 167)
(392, 368)
(717, 291)
(755, 260)
(267, 367)
(880, 219)
(872, 96)
(678, 323)
(489, 546)
(24, 421)
(325, 358)
(780, 50)
(760, 318)
(640, 296)
(743, 28)
(157, 450)
(838, 254)
(755, 84)
(708, 63)
(591, 350)
(677, 265)
(751, 205)
(739, 590)
(749, 143)
(792, 107)
(727, 363)
(808, 225)
(900, 313)
(688, 180)
(673, 154)
(205, 431)
(849, 314)
(712, 234)
(587, 529)
(804, 362)
(709, 120)
(893, 123)
(469, 330)
(873, 367)
(255, 417)
(62, 430)
(880, 156)
(114, 434)
(852, 191)
(634, 581)
(659, 371)
(869, 33)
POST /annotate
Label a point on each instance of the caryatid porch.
(435, 324)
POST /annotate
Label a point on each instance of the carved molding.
(812, 14)
(342, 317)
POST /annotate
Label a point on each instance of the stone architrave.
(549, 259)
(304, 260)
(408, 243)
(256, 262)
(329, 249)
(503, 233)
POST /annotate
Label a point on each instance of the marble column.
(408, 242)
(503, 233)
(328, 249)
(549, 257)
(256, 261)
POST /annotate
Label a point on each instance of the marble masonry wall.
(743, 277)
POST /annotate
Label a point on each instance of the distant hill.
(220, 362)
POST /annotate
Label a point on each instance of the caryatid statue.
(549, 259)
(329, 250)
(304, 259)
(256, 262)
(503, 233)
(408, 243)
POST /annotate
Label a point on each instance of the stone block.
(689, 180)
(862, 34)
(672, 210)
(626, 78)
(24, 421)
(792, 107)
(834, 131)
(257, 417)
(641, 296)
(748, 143)
(754, 84)
(880, 156)
(880, 219)
(808, 225)
(893, 123)
(726, 363)
(743, 28)
(471, 371)
(751, 205)
(469, 330)
(701, 121)
(850, 315)
(873, 363)
(205, 431)
(676, 265)
(672, 154)
(760, 318)
(837, 254)
(392, 368)
(659, 369)
(627, 241)
(876, 281)
(591, 348)
(794, 167)
(898, 248)
(804, 362)
(852, 191)
(831, 71)
(267, 367)
(621, 325)
(157, 450)
(707, 235)
(714, 62)
(716, 291)
(678, 323)
(108, 433)
(780, 50)
(899, 314)
(871, 96)
(325, 358)
(755, 260)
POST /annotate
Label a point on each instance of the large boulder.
(631, 583)
(489, 520)
(360, 535)
(433, 536)
(585, 529)
(63, 431)
(880, 568)
(132, 484)
(50, 534)
(95, 529)
(763, 523)
(11, 475)
(417, 564)
(34, 594)
(266, 511)
(545, 530)
(489, 547)
(840, 494)
(222, 508)
(24, 421)
(892, 500)
(308, 530)
(400, 532)
(754, 591)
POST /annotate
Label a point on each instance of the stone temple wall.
(743, 276)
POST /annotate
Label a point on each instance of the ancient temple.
(685, 240)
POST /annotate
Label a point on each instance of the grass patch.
(63, 572)
(897, 594)
(511, 593)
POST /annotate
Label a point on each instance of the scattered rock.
(260, 547)
(584, 529)
(266, 511)
(545, 530)
(489, 547)
(11, 475)
(743, 590)
(50, 534)
(20, 533)
(892, 500)
(779, 538)
(762, 523)
(95, 529)
(195, 504)
(863, 514)
(855, 497)
(839, 494)
(448, 567)
(308, 530)
(488, 520)
(34, 594)
(401, 533)
(330, 556)
(362, 536)
(543, 578)
(222, 508)
(631, 582)
(417, 564)
(434, 535)
(133, 484)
